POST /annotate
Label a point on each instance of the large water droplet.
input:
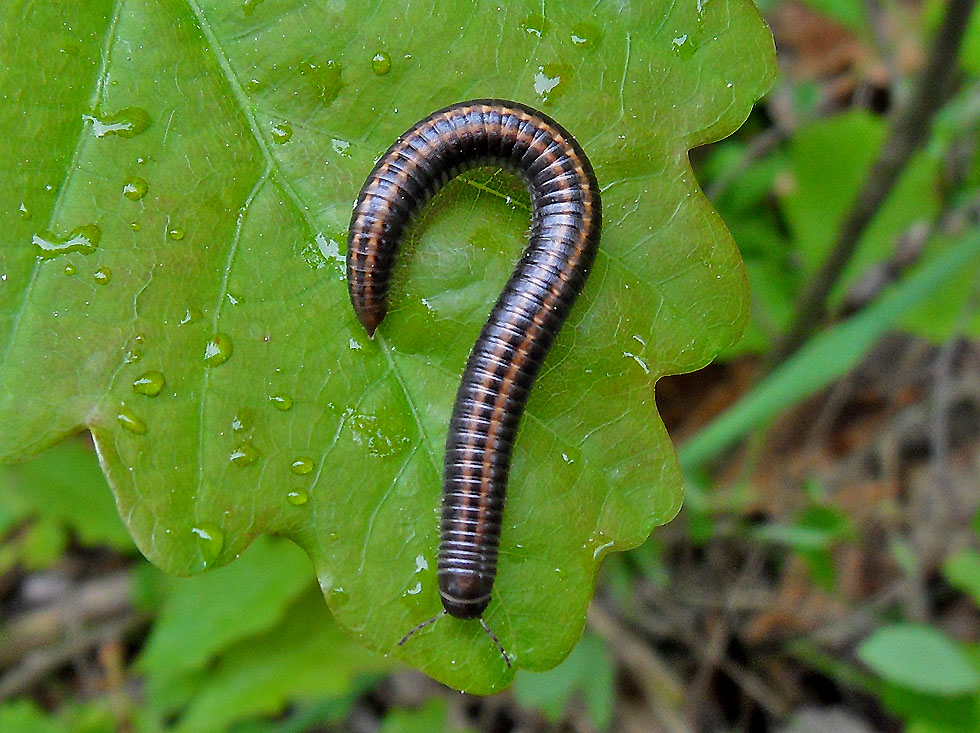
(245, 454)
(126, 122)
(175, 233)
(102, 276)
(130, 422)
(135, 188)
(281, 132)
(218, 350)
(25, 213)
(70, 269)
(381, 63)
(281, 401)
(210, 540)
(84, 239)
(301, 466)
(249, 6)
(298, 497)
(149, 383)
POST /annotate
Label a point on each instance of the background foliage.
(825, 570)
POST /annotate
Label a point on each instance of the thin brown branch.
(909, 131)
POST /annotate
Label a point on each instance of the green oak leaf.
(179, 179)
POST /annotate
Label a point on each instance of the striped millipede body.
(496, 383)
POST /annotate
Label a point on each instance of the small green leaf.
(830, 159)
(921, 658)
(963, 572)
(432, 716)
(850, 13)
(304, 657)
(204, 615)
(66, 485)
(587, 676)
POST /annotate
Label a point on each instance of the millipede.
(566, 216)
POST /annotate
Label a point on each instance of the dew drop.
(70, 269)
(281, 401)
(135, 188)
(281, 132)
(535, 25)
(102, 276)
(249, 6)
(243, 421)
(245, 454)
(298, 497)
(190, 315)
(381, 63)
(324, 80)
(218, 350)
(24, 211)
(586, 36)
(551, 81)
(130, 422)
(301, 466)
(683, 46)
(135, 226)
(210, 540)
(133, 355)
(340, 147)
(127, 122)
(84, 239)
(149, 383)
(175, 233)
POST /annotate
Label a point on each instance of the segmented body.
(497, 380)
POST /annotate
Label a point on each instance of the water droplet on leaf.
(102, 276)
(381, 63)
(586, 36)
(130, 422)
(84, 239)
(243, 421)
(218, 350)
(135, 188)
(301, 466)
(175, 233)
(210, 540)
(149, 383)
(245, 454)
(190, 315)
(535, 25)
(298, 497)
(281, 132)
(127, 122)
(281, 401)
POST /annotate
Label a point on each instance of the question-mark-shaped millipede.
(566, 218)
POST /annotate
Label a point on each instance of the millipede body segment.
(565, 223)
